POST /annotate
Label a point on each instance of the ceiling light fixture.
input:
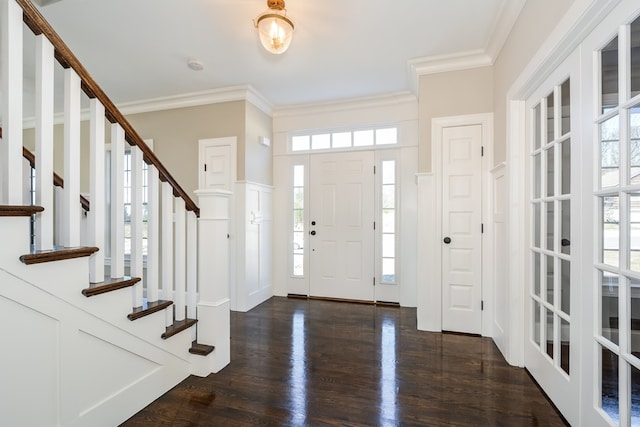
(274, 27)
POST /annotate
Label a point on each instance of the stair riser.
(15, 240)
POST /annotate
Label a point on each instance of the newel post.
(213, 274)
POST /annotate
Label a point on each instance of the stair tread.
(200, 349)
(109, 284)
(177, 327)
(148, 308)
(9, 210)
(57, 254)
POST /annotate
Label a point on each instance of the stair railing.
(171, 242)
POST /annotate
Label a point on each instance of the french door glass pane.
(537, 180)
(536, 322)
(550, 172)
(536, 225)
(610, 152)
(634, 144)
(635, 57)
(549, 318)
(550, 234)
(537, 139)
(550, 118)
(609, 64)
(635, 396)
(609, 304)
(634, 232)
(565, 286)
(609, 390)
(634, 327)
(565, 227)
(611, 230)
(565, 149)
(536, 273)
(565, 95)
(550, 274)
(565, 345)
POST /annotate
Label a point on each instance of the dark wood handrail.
(38, 25)
(57, 179)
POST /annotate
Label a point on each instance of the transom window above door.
(344, 139)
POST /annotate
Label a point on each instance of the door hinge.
(374, 169)
(205, 167)
(374, 281)
(481, 228)
(482, 151)
(481, 305)
(374, 225)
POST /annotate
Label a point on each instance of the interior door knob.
(312, 232)
(565, 242)
(447, 240)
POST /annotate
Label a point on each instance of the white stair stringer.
(78, 360)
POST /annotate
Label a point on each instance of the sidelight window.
(297, 233)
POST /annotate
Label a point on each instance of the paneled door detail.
(461, 227)
(217, 163)
(341, 233)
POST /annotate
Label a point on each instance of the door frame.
(434, 276)
(231, 141)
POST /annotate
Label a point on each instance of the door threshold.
(352, 301)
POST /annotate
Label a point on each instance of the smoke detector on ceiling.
(195, 64)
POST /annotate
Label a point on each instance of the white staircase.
(81, 348)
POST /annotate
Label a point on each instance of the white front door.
(461, 228)
(341, 233)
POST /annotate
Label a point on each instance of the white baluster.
(136, 222)
(167, 241)
(179, 259)
(44, 142)
(153, 234)
(97, 190)
(192, 265)
(117, 201)
(11, 191)
(71, 220)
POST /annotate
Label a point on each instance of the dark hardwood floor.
(318, 363)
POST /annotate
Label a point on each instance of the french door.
(552, 306)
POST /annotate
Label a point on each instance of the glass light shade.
(276, 32)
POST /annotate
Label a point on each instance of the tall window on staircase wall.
(127, 205)
(617, 124)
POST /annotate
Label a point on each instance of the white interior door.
(461, 227)
(217, 163)
(341, 218)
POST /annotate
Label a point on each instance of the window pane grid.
(550, 227)
(345, 139)
(298, 231)
(388, 235)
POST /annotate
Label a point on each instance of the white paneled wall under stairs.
(82, 347)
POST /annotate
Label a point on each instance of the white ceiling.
(138, 49)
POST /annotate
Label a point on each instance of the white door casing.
(342, 207)
(461, 229)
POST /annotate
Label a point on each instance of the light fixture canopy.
(274, 27)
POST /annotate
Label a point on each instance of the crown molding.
(359, 103)
(502, 26)
(215, 96)
(449, 62)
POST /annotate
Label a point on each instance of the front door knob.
(313, 232)
(447, 240)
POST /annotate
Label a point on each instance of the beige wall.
(537, 19)
(258, 159)
(176, 132)
(451, 94)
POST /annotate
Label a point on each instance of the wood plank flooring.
(318, 363)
